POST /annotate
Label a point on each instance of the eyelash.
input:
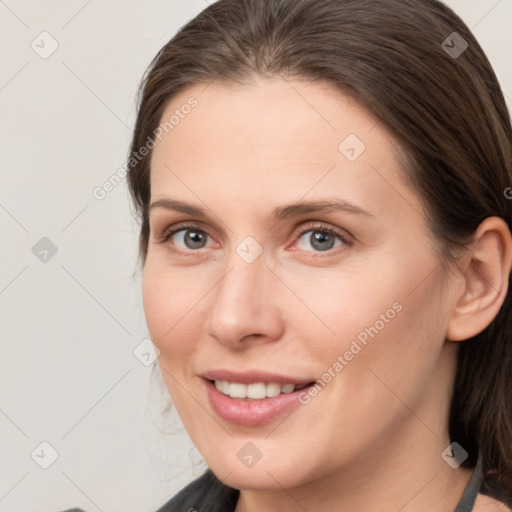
(311, 227)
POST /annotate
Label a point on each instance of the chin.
(272, 475)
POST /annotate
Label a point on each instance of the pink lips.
(251, 412)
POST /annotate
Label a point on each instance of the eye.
(321, 238)
(187, 238)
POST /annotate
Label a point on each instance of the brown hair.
(401, 61)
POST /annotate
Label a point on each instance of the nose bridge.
(242, 303)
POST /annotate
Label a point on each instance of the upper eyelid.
(301, 226)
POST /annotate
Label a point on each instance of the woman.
(326, 252)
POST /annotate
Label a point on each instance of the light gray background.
(69, 326)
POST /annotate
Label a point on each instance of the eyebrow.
(278, 214)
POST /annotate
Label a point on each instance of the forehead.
(272, 117)
(275, 139)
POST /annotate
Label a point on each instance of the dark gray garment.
(470, 493)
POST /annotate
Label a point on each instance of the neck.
(406, 474)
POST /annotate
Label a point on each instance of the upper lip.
(252, 376)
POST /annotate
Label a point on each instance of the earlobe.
(486, 279)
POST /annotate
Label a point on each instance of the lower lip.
(251, 412)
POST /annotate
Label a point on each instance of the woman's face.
(253, 288)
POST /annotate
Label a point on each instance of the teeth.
(255, 391)
(288, 388)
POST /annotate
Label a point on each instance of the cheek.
(381, 321)
(170, 301)
(342, 306)
(397, 339)
(370, 368)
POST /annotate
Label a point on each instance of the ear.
(485, 273)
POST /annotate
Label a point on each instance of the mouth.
(256, 390)
(253, 404)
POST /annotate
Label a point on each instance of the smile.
(256, 390)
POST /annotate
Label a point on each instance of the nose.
(245, 305)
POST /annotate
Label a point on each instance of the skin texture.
(372, 438)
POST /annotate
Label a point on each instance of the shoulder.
(205, 494)
(486, 503)
(492, 497)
